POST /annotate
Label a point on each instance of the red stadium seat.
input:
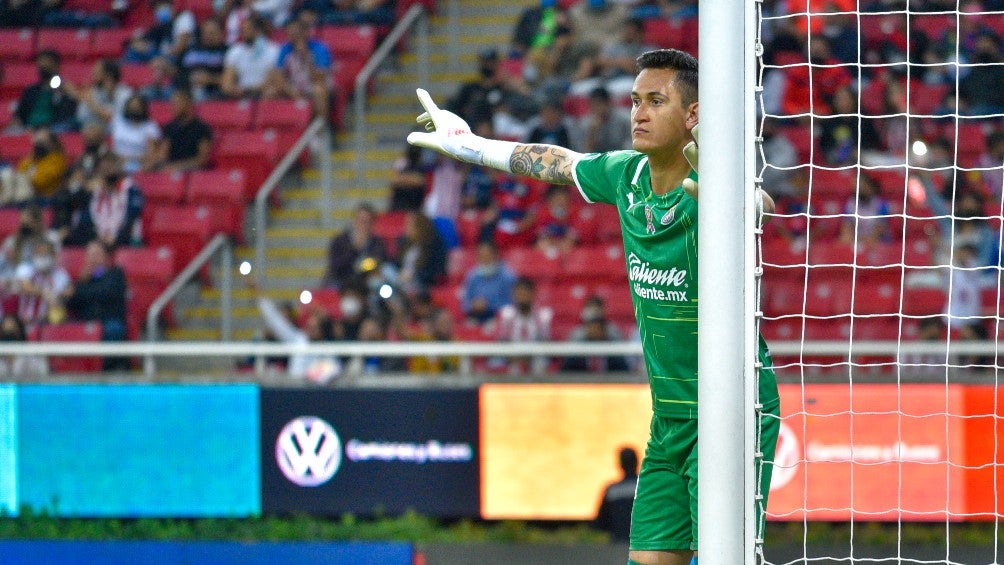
(224, 190)
(73, 144)
(77, 73)
(161, 111)
(226, 115)
(328, 299)
(110, 42)
(17, 44)
(608, 223)
(597, 263)
(449, 296)
(186, 229)
(665, 33)
(16, 77)
(74, 331)
(933, 26)
(162, 187)
(9, 218)
(282, 114)
(147, 264)
(565, 299)
(13, 148)
(349, 42)
(617, 301)
(833, 183)
(72, 259)
(533, 263)
(137, 75)
(69, 43)
(255, 152)
(469, 227)
(389, 226)
(7, 108)
(782, 298)
(202, 9)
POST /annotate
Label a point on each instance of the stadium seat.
(576, 105)
(161, 111)
(186, 229)
(255, 152)
(869, 298)
(77, 73)
(667, 33)
(72, 259)
(533, 263)
(202, 9)
(595, 264)
(926, 98)
(137, 75)
(8, 219)
(69, 43)
(565, 299)
(110, 42)
(328, 299)
(226, 115)
(225, 190)
(16, 77)
(460, 260)
(608, 224)
(147, 264)
(17, 44)
(15, 147)
(617, 300)
(282, 114)
(73, 331)
(161, 188)
(833, 183)
(73, 144)
(782, 298)
(933, 26)
(449, 296)
(389, 226)
(469, 227)
(349, 42)
(7, 108)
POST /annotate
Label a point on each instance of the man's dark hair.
(683, 63)
(600, 93)
(629, 461)
(111, 68)
(525, 282)
(48, 54)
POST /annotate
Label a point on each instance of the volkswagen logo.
(308, 451)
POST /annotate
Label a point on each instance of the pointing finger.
(426, 101)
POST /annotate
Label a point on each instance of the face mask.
(163, 14)
(350, 306)
(111, 179)
(135, 116)
(487, 71)
(45, 75)
(25, 231)
(43, 263)
(487, 270)
(40, 150)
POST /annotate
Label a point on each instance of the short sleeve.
(152, 130)
(230, 59)
(597, 175)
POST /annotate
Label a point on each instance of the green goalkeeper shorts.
(664, 516)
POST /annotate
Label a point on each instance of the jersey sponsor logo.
(641, 273)
(308, 451)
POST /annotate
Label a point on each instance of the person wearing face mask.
(46, 103)
(111, 209)
(135, 137)
(169, 36)
(348, 248)
(553, 221)
(523, 320)
(19, 247)
(69, 201)
(488, 286)
(42, 287)
(100, 296)
(46, 166)
(249, 62)
(476, 100)
(19, 366)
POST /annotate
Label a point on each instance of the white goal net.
(881, 128)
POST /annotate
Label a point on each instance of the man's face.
(363, 222)
(486, 255)
(181, 104)
(95, 255)
(211, 34)
(660, 123)
(522, 296)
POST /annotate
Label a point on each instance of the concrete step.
(208, 334)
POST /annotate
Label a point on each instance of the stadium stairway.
(296, 240)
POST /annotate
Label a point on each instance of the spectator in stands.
(866, 220)
(477, 100)
(353, 309)
(965, 284)
(135, 136)
(523, 320)
(421, 255)
(318, 326)
(19, 366)
(200, 67)
(162, 85)
(488, 286)
(275, 12)
(477, 188)
(249, 62)
(570, 66)
(992, 174)
(105, 97)
(982, 89)
(596, 21)
(963, 224)
(100, 296)
(303, 69)
(595, 329)
(170, 36)
(553, 221)
(46, 166)
(68, 201)
(614, 514)
(442, 203)
(110, 208)
(349, 248)
(46, 103)
(437, 327)
(535, 29)
(407, 187)
(844, 132)
(603, 127)
(19, 247)
(355, 12)
(616, 60)
(550, 127)
(26, 13)
(927, 364)
(188, 141)
(595, 308)
(42, 287)
(509, 221)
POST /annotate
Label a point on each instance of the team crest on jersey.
(668, 217)
(649, 217)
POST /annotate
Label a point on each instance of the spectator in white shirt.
(249, 63)
(524, 320)
(135, 137)
(42, 287)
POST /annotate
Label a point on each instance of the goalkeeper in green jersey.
(655, 190)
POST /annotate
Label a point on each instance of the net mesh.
(880, 137)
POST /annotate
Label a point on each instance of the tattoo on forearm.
(548, 163)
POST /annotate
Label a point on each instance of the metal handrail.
(220, 241)
(416, 15)
(270, 184)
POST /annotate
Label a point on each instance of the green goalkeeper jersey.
(660, 246)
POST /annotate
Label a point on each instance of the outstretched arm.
(450, 135)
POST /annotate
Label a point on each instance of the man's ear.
(692, 116)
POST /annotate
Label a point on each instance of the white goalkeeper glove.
(450, 135)
(690, 153)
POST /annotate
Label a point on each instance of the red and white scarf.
(108, 209)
